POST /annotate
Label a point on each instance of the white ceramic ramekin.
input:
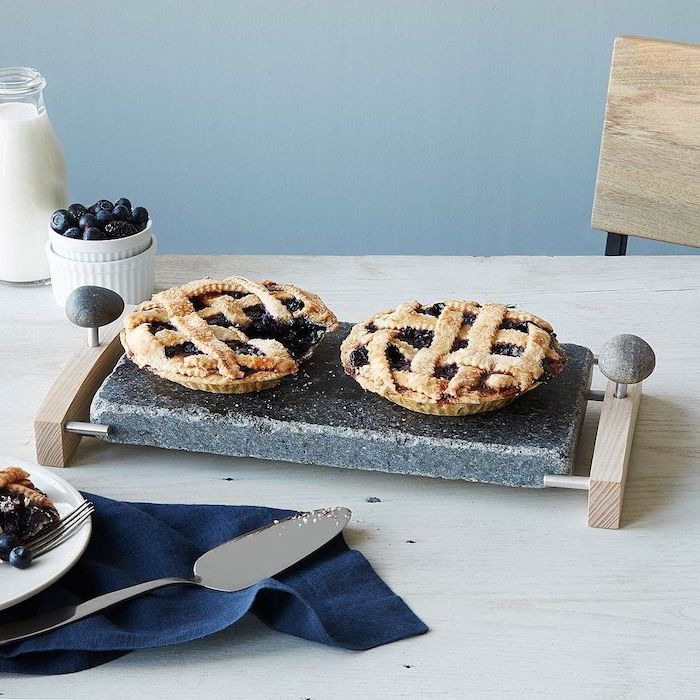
(132, 277)
(101, 251)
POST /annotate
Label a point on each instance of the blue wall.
(339, 126)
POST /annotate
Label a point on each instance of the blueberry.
(121, 213)
(94, 234)
(61, 220)
(125, 202)
(21, 557)
(104, 217)
(119, 229)
(7, 544)
(359, 357)
(139, 216)
(73, 232)
(417, 337)
(77, 210)
(87, 221)
(104, 204)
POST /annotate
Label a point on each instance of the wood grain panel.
(648, 180)
(70, 396)
(611, 456)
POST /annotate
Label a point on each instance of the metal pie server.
(232, 566)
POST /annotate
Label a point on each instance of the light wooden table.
(521, 597)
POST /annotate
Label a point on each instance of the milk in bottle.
(32, 177)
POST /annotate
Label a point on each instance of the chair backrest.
(648, 180)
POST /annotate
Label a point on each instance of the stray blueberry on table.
(87, 221)
(121, 213)
(373, 499)
(139, 216)
(123, 201)
(7, 544)
(104, 204)
(104, 217)
(94, 234)
(61, 220)
(73, 232)
(21, 557)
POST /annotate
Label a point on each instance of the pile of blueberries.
(100, 222)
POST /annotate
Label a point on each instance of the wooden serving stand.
(611, 455)
(63, 419)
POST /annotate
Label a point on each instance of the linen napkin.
(334, 597)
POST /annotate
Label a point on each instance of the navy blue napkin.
(333, 597)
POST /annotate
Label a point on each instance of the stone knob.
(92, 307)
(626, 359)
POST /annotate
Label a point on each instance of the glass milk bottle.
(32, 177)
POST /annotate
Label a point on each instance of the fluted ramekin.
(132, 277)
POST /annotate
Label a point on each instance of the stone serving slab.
(322, 416)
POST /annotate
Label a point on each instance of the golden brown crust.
(16, 480)
(452, 358)
(450, 409)
(203, 335)
(12, 475)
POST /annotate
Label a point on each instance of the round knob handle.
(92, 307)
(626, 359)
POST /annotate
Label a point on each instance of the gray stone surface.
(322, 416)
(93, 307)
(626, 359)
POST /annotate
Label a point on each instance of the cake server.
(231, 566)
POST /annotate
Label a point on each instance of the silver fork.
(59, 532)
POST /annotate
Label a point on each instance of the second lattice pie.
(452, 358)
(226, 336)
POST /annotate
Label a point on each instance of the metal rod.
(595, 395)
(620, 390)
(561, 481)
(93, 337)
(91, 429)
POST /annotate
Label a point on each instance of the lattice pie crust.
(452, 358)
(226, 336)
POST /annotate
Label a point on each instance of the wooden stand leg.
(70, 396)
(611, 456)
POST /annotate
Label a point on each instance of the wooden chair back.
(648, 181)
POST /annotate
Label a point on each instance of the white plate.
(18, 584)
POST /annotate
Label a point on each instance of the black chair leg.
(616, 244)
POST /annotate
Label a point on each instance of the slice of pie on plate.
(452, 358)
(226, 336)
(24, 509)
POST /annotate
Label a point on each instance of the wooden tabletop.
(521, 597)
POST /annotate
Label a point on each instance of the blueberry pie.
(452, 358)
(226, 336)
(24, 509)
